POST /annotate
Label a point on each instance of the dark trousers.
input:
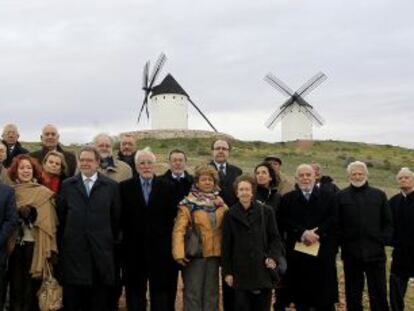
(354, 284)
(282, 297)
(85, 298)
(3, 285)
(245, 300)
(398, 287)
(330, 307)
(160, 299)
(228, 296)
(23, 287)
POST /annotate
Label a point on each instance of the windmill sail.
(312, 84)
(278, 84)
(202, 114)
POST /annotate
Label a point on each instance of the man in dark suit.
(227, 175)
(89, 213)
(50, 141)
(402, 267)
(10, 138)
(178, 175)
(148, 213)
(365, 227)
(227, 172)
(8, 222)
(308, 215)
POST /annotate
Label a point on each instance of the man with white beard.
(365, 228)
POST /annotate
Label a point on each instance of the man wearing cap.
(285, 185)
(323, 181)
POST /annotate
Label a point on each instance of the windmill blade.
(157, 68)
(276, 117)
(278, 84)
(314, 116)
(145, 75)
(302, 102)
(144, 105)
(312, 84)
(202, 114)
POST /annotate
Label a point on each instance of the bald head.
(50, 137)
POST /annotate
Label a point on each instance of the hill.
(383, 161)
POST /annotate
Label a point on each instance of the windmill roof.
(168, 86)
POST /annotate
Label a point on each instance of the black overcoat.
(17, 150)
(311, 280)
(226, 184)
(243, 249)
(365, 224)
(89, 228)
(8, 218)
(402, 208)
(181, 187)
(147, 233)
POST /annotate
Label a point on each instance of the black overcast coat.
(311, 280)
(90, 227)
(18, 149)
(365, 225)
(226, 184)
(147, 232)
(243, 249)
(403, 239)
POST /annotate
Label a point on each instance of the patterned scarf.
(197, 199)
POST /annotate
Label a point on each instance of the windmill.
(169, 107)
(296, 115)
(148, 81)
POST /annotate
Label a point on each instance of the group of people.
(103, 222)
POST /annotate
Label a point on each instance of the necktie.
(222, 173)
(146, 188)
(307, 195)
(88, 186)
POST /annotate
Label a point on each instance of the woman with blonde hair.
(204, 210)
(34, 243)
(54, 170)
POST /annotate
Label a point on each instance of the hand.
(219, 201)
(270, 263)
(229, 280)
(309, 237)
(183, 261)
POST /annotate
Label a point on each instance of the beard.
(358, 184)
(306, 188)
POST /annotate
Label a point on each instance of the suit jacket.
(8, 218)
(18, 149)
(89, 228)
(182, 187)
(226, 183)
(147, 232)
(307, 276)
(69, 157)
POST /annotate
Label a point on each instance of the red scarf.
(51, 181)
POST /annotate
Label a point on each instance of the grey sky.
(78, 64)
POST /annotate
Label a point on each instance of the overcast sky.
(78, 64)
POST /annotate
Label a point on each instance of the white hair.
(304, 166)
(103, 135)
(145, 151)
(405, 171)
(50, 125)
(356, 164)
(10, 126)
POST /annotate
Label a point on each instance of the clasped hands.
(310, 237)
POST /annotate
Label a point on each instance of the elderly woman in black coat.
(251, 246)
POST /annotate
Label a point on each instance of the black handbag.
(193, 247)
(275, 274)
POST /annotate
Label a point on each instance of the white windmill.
(296, 115)
(169, 107)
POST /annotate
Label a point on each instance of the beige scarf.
(44, 230)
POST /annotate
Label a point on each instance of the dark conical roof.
(168, 86)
